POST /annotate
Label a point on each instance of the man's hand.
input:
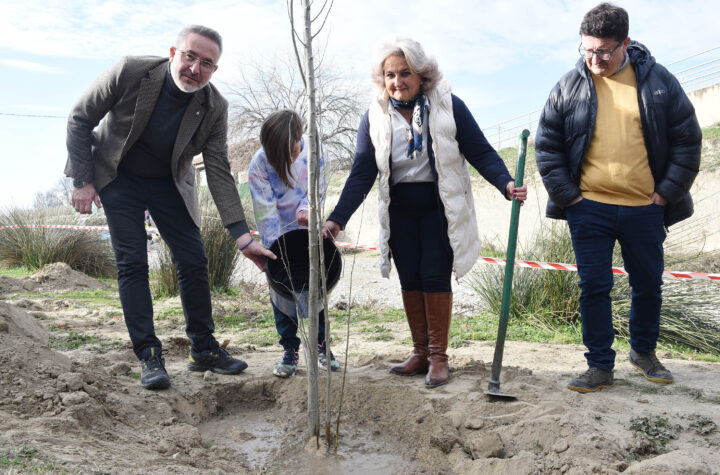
(302, 217)
(254, 251)
(83, 199)
(575, 201)
(520, 193)
(658, 200)
(330, 227)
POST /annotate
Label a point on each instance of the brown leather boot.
(417, 363)
(438, 307)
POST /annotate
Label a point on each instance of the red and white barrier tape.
(487, 260)
(616, 270)
(66, 226)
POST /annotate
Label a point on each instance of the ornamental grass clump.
(87, 251)
(220, 248)
(690, 314)
(546, 297)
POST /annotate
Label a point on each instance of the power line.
(35, 115)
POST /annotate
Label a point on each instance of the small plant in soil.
(24, 457)
(700, 424)
(74, 340)
(378, 333)
(658, 431)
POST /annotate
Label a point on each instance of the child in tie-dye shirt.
(278, 179)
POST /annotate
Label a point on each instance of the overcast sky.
(502, 57)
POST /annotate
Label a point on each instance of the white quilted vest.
(453, 178)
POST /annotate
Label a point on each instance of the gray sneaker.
(651, 367)
(288, 365)
(592, 380)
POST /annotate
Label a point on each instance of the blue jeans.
(125, 200)
(287, 326)
(594, 228)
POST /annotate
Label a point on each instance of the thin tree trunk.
(312, 350)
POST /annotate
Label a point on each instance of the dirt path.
(83, 410)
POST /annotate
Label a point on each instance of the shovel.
(494, 384)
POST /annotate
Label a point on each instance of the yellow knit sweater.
(615, 169)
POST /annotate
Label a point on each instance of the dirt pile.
(54, 277)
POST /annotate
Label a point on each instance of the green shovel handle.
(509, 264)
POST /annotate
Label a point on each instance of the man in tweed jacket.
(131, 140)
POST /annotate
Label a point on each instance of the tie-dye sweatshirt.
(275, 205)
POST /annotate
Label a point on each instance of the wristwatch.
(80, 183)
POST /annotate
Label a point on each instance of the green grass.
(267, 337)
(242, 321)
(484, 328)
(24, 458)
(638, 383)
(712, 132)
(369, 315)
(16, 272)
(74, 340)
(378, 333)
(169, 313)
(106, 297)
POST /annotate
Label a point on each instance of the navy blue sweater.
(470, 139)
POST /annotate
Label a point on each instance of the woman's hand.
(519, 193)
(330, 227)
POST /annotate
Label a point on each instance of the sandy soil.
(83, 410)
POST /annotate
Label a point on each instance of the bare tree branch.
(274, 84)
(324, 20)
(295, 38)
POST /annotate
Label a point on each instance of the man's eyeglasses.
(205, 64)
(602, 54)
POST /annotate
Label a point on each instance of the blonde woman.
(416, 137)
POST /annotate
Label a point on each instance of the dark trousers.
(418, 238)
(594, 228)
(125, 200)
(287, 326)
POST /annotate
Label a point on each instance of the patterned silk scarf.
(415, 136)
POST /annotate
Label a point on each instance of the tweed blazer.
(112, 113)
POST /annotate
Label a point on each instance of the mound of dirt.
(56, 277)
(61, 277)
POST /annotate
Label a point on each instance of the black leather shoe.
(651, 367)
(217, 361)
(594, 379)
(154, 375)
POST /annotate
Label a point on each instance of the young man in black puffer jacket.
(618, 148)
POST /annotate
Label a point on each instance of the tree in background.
(265, 87)
(55, 197)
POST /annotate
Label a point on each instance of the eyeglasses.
(602, 54)
(205, 64)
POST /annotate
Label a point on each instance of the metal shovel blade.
(494, 392)
(494, 384)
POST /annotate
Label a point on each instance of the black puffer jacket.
(672, 134)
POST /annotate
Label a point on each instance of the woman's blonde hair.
(413, 52)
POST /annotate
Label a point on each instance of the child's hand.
(302, 217)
